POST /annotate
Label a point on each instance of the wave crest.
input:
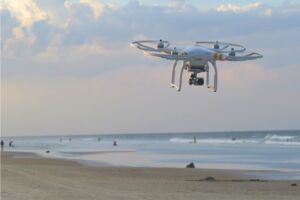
(268, 139)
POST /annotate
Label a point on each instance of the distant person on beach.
(10, 144)
(195, 140)
(2, 145)
(60, 139)
(99, 139)
(115, 143)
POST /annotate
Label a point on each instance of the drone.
(196, 59)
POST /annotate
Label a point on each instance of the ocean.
(267, 154)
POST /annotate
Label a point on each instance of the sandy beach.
(26, 176)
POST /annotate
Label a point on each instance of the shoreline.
(212, 151)
(35, 178)
(262, 174)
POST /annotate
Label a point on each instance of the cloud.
(289, 8)
(95, 5)
(8, 24)
(56, 11)
(26, 12)
(237, 8)
(101, 31)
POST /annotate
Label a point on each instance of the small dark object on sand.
(191, 165)
(294, 184)
(2, 145)
(254, 180)
(209, 178)
(48, 151)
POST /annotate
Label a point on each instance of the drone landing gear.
(194, 80)
(215, 74)
(173, 85)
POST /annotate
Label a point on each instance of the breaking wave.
(268, 139)
(279, 137)
(282, 139)
(212, 141)
(181, 140)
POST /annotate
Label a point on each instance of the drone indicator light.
(221, 57)
(218, 56)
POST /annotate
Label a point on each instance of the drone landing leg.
(173, 85)
(180, 78)
(215, 76)
(207, 75)
(173, 74)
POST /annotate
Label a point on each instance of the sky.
(67, 67)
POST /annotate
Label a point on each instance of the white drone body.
(196, 58)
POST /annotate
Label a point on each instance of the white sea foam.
(181, 140)
(227, 141)
(88, 139)
(269, 139)
(281, 140)
(279, 137)
(213, 141)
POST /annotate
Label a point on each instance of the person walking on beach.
(2, 145)
(195, 140)
(115, 143)
(10, 144)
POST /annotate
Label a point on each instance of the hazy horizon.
(67, 67)
(154, 133)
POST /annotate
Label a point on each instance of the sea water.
(272, 154)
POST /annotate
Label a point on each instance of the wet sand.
(26, 176)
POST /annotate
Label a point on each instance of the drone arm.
(166, 56)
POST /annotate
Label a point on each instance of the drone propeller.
(161, 49)
(249, 56)
(222, 47)
(149, 45)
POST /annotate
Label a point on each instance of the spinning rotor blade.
(250, 56)
(142, 45)
(223, 46)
